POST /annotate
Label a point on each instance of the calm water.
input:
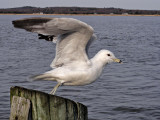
(129, 91)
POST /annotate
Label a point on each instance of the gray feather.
(73, 37)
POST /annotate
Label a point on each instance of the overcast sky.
(126, 4)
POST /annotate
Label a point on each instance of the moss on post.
(50, 107)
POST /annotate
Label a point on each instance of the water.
(129, 91)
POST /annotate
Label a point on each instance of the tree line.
(76, 10)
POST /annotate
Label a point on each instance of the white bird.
(71, 65)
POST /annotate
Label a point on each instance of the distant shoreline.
(83, 14)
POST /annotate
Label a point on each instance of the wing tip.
(26, 22)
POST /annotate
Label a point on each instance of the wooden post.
(20, 108)
(46, 107)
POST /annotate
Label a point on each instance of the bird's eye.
(108, 54)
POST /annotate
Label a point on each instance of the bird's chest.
(88, 76)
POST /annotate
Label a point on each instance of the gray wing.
(73, 36)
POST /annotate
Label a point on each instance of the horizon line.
(81, 7)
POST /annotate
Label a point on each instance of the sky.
(125, 4)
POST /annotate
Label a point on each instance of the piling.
(27, 104)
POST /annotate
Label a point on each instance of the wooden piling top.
(50, 107)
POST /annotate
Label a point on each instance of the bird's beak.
(117, 60)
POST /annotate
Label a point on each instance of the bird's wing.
(72, 36)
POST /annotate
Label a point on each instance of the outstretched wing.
(72, 36)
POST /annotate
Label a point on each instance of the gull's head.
(107, 56)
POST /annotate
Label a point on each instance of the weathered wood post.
(41, 106)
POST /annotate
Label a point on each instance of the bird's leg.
(55, 88)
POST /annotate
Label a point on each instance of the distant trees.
(76, 10)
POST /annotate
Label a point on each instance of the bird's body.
(71, 65)
(76, 73)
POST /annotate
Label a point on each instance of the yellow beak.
(117, 60)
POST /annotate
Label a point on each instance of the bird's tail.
(45, 76)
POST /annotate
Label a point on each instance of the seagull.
(71, 65)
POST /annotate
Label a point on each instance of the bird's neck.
(98, 61)
(97, 67)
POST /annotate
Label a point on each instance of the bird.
(71, 65)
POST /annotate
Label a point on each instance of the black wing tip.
(17, 24)
(22, 23)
